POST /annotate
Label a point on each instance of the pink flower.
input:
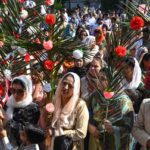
(38, 41)
(5, 1)
(1, 44)
(48, 45)
(108, 95)
(50, 108)
(1, 19)
(21, 1)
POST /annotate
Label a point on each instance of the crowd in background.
(79, 120)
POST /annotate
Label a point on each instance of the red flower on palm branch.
(50, 19)
(121, 51)
(48, 64)
(136, 23)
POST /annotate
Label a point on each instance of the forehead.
(95, 62)
(78, 60)
(18, 86)
(68, 79)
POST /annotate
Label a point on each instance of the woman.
(90, 81)
(133, 83)
(100, 38)
(83, 34)
(110, 119)
(92, 49)
(71, 115)
(132, 73)
(20, 108)
(141, 128)
(145, 62)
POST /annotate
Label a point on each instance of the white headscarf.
(61, 114)
(136, 78)
(89, 39)
(11, 103)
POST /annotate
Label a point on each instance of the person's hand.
(49, 132)
(1, 114)
(148, 143)
(108, 126)
(94, 131)
(3, 132)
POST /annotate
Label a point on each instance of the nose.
(66, 87)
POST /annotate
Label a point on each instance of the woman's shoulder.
(81, 107)
(81, 102)
(146, 101)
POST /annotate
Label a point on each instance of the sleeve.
(81, 124)
(126, 122)
(138, 130)
(7, 145)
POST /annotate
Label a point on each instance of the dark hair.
(99, 19)
(34, 133)
(130, 62)
(68, 74)
(105, 26)
(146, 30)
(82, 32)
(78, 28)
(20, 82)
(63, 143)
(146, 57)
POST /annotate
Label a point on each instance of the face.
(97, 33)
(95, 67)
(93, 43)
(104, 31)
(36, 76)
(128, 73)
(67, 87)
(18, 92)
(132, 52)
(79, 63)
(103, 82)
(146, 64)
(83, 35)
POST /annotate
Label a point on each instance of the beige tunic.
(141, 129)
(78, 122)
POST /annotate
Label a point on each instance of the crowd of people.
(81, 119)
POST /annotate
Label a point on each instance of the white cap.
(77, 54)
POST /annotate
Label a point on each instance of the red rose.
(48, 64)
(136, 23)
(27, 57)
(121, 51)
(35, 13)
(50, 19)
(49, 2)
(1, 90)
